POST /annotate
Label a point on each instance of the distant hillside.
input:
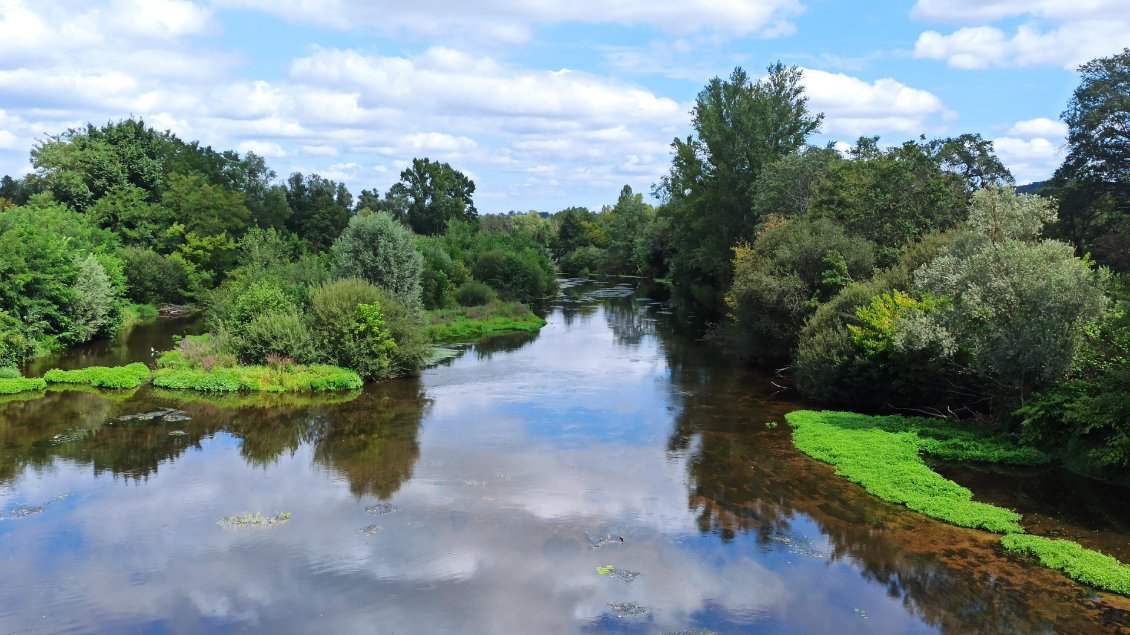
(1031, 188)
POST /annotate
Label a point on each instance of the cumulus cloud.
(1029, 160)
(268, 149)
(513, 20)
(854, 107)
(1038, 127)
(1053, 32)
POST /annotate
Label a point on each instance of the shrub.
(278, 334)
(583, 261)
(152, 278)
(515, 276)
(206, 352)
(97, 306)
(16, 344)
(378, 249)
(474, 293)
(10, 373)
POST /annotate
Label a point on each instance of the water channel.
(608, 474)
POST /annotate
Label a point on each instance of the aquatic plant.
(1079, 563)
(130, 376)
(314, 377)
(882, 455)
(15, 385)
(253, 519)
(469, 322)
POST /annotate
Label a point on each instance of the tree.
(970, 157)
(381, 251)
(321, 209)
(435, 194)
(741, 126)
(626, 227)
(1094, 181)
(204, 208)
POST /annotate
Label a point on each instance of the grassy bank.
(315, 377)
(470, 322)
(882, 454)
(130, 376)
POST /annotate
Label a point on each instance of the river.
(608, 474)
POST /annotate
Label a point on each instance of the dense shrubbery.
(474, 293)
(378, 249)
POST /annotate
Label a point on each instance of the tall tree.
(1093, 183)
(320, 209)
(434, 194)
(741, 126)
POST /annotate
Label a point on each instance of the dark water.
(486, 496)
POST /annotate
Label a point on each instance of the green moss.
(16, 385)
(1081, 564)
(296, 378)
(882, 455)
(471, 322)
(130, 376)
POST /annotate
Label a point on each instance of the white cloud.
(1029, 159)
(1054, 32)
(854, 107)
(1038, 127)
(513, 20)
(268, 149)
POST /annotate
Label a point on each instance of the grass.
(883, 455)
(130, 376)
(16, 385)
(1079, 563)
(315, 377)
(471, 322)
(253, 519)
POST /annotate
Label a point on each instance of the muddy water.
(606, 475)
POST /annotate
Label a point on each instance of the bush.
(378, 249)
(515, 276)
(16, 345)
(130, 376)
(474, 293)
(583, 261)
(152, 278)
(97, 306)
(205, 352)
(280, 334)
(16, 385)
(10, 373)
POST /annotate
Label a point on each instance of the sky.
(545, 104)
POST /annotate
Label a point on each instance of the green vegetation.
(882, 455)
(130, 376)
(253, 519)
(470, 322)
(1084, 565)
(16, 385)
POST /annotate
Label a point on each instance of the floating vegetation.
(70, 436)
(441, 353)
(167, 415)
(20, 512)
(770, 424)
(627, 609)
(798, 545)
(253, 519)
(370, 530)
(381, 508)
(612, 537)
(623, 574)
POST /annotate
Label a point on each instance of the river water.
(609, 474)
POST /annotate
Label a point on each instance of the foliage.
(316, 378)
(130, 376)
(377, 249)
(495, 317)
(583, 261)
(205, 351)
(97, 306)
(741, 127)
(627, 224)
(779, 281)
(10, 372)
(433, 194)
(152, 278)
(882, 455)
(278, 334)
(1080, 564)
(474, 293)
(16, 385)
(877, 330)
(514, 275)
(320, 209)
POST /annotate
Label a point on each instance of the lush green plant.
(378, 249)
(514, 275)
(207, 352)
(496, 317)
(474, 293)
(130, 376)
(10, 373)
(15, 385)
(97, 307)
(152, 278)
(1080, 564)
(317, 378)
(282, 334)
(583, 261)
(882, 455)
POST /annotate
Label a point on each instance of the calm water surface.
(606, 475)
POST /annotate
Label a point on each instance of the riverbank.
(470, 322)
(882, 454)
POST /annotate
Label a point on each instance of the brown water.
(482, 498)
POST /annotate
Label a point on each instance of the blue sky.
(544, 104)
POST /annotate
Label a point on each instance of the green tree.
(203, 208)
(320, 209)
(741, 126)
(627, 225)
(435, 194)
(376, 248)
